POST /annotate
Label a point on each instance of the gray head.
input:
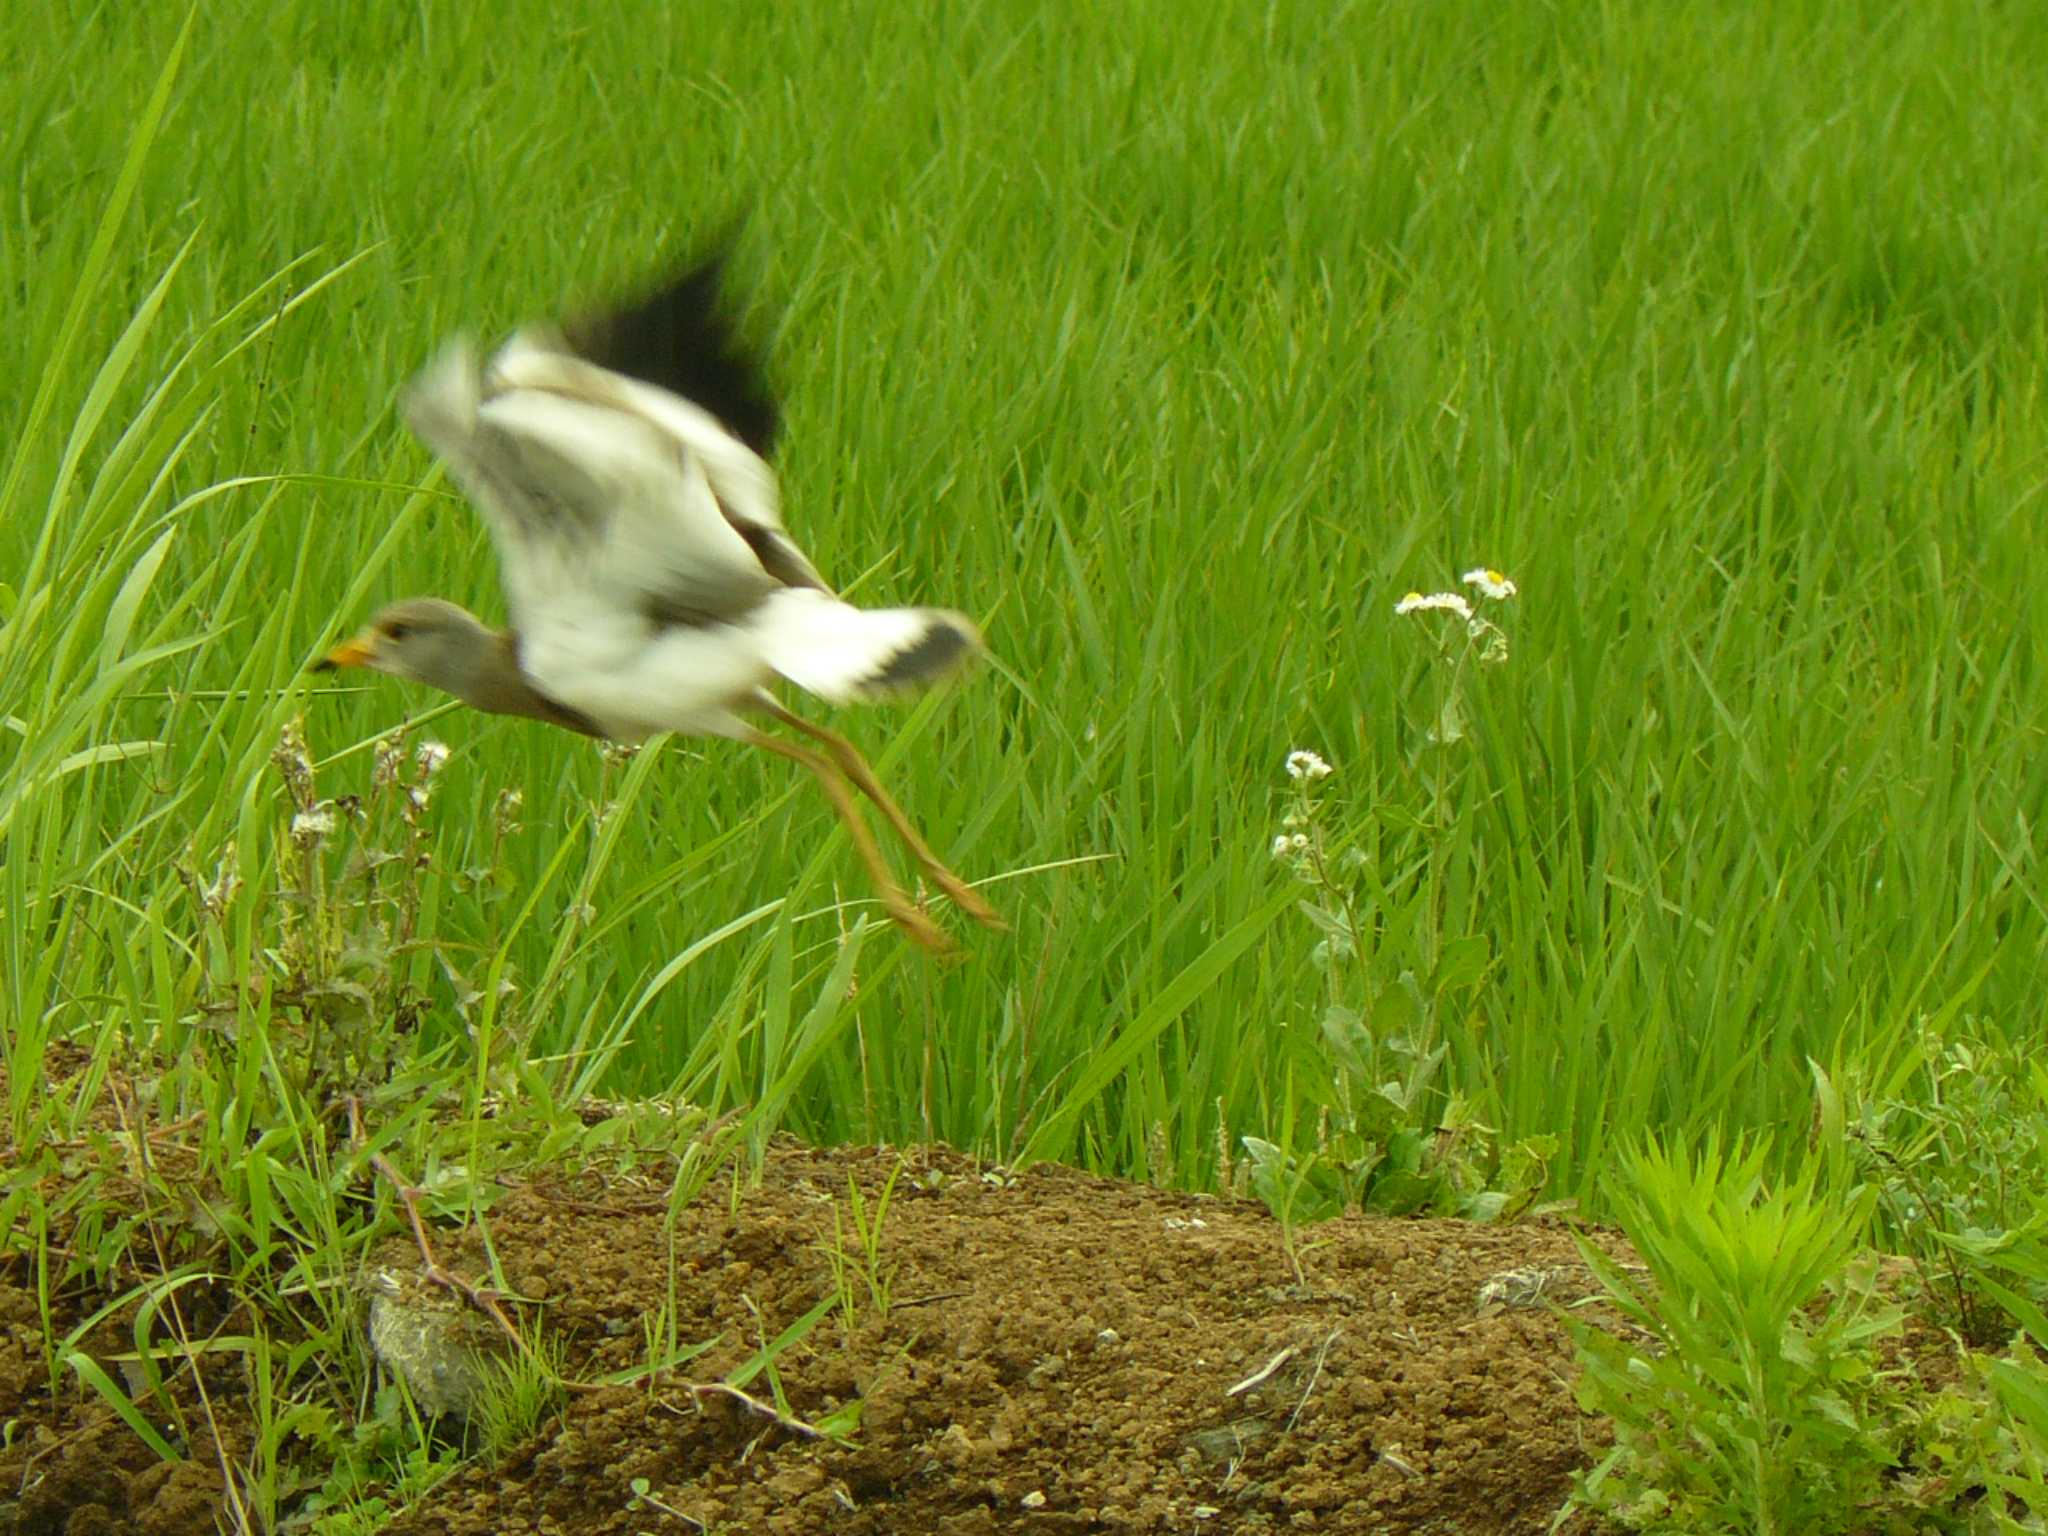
(426, 640)
(430, 641)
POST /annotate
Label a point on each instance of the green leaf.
(121, 614)
(1463, 963)
(88, 1371)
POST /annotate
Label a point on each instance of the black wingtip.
(945, 646)
(680, 337)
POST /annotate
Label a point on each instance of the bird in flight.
(621, 464)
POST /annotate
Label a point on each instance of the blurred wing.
(675, 347)
(618, 506)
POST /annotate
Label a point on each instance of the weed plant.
(1389, 1135)
(1954, 1151)
(1735, 1408)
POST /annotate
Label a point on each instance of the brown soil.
(1059, 1355)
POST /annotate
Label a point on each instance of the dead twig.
(486, 1299)
(1315, 1374)
(1263, 1374)
(699, 1390)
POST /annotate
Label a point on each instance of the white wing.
(620, 511)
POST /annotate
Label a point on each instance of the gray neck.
(489, 679)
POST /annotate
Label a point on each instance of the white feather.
(838, 651)
(743, 480)
(687, 680)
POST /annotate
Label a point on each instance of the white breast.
(633, 683)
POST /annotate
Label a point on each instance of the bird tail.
(842, 653)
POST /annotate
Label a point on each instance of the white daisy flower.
(1491, 583)
(1304, 764)
(1450, 602)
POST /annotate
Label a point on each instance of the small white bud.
(1303, 764)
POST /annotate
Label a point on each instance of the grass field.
(1176, 344)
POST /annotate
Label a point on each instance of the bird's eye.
(394, 631)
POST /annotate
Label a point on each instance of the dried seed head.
(293, 762)
(386, 759)
(1223, 1178)
(1158, 1151)
(505, 814)
(218, 894)
(432, 757)
(313, 826)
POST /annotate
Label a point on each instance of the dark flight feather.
(939, 650)
(681, 339)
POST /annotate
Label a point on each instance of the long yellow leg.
(848, 757)
(899, 906)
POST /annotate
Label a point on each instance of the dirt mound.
(1058, 1353)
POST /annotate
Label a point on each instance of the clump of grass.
(862, 1279)
(374, 1465)
(522, 1389)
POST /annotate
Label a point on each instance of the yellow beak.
(359, 652)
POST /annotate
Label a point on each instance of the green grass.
(1176, 344)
